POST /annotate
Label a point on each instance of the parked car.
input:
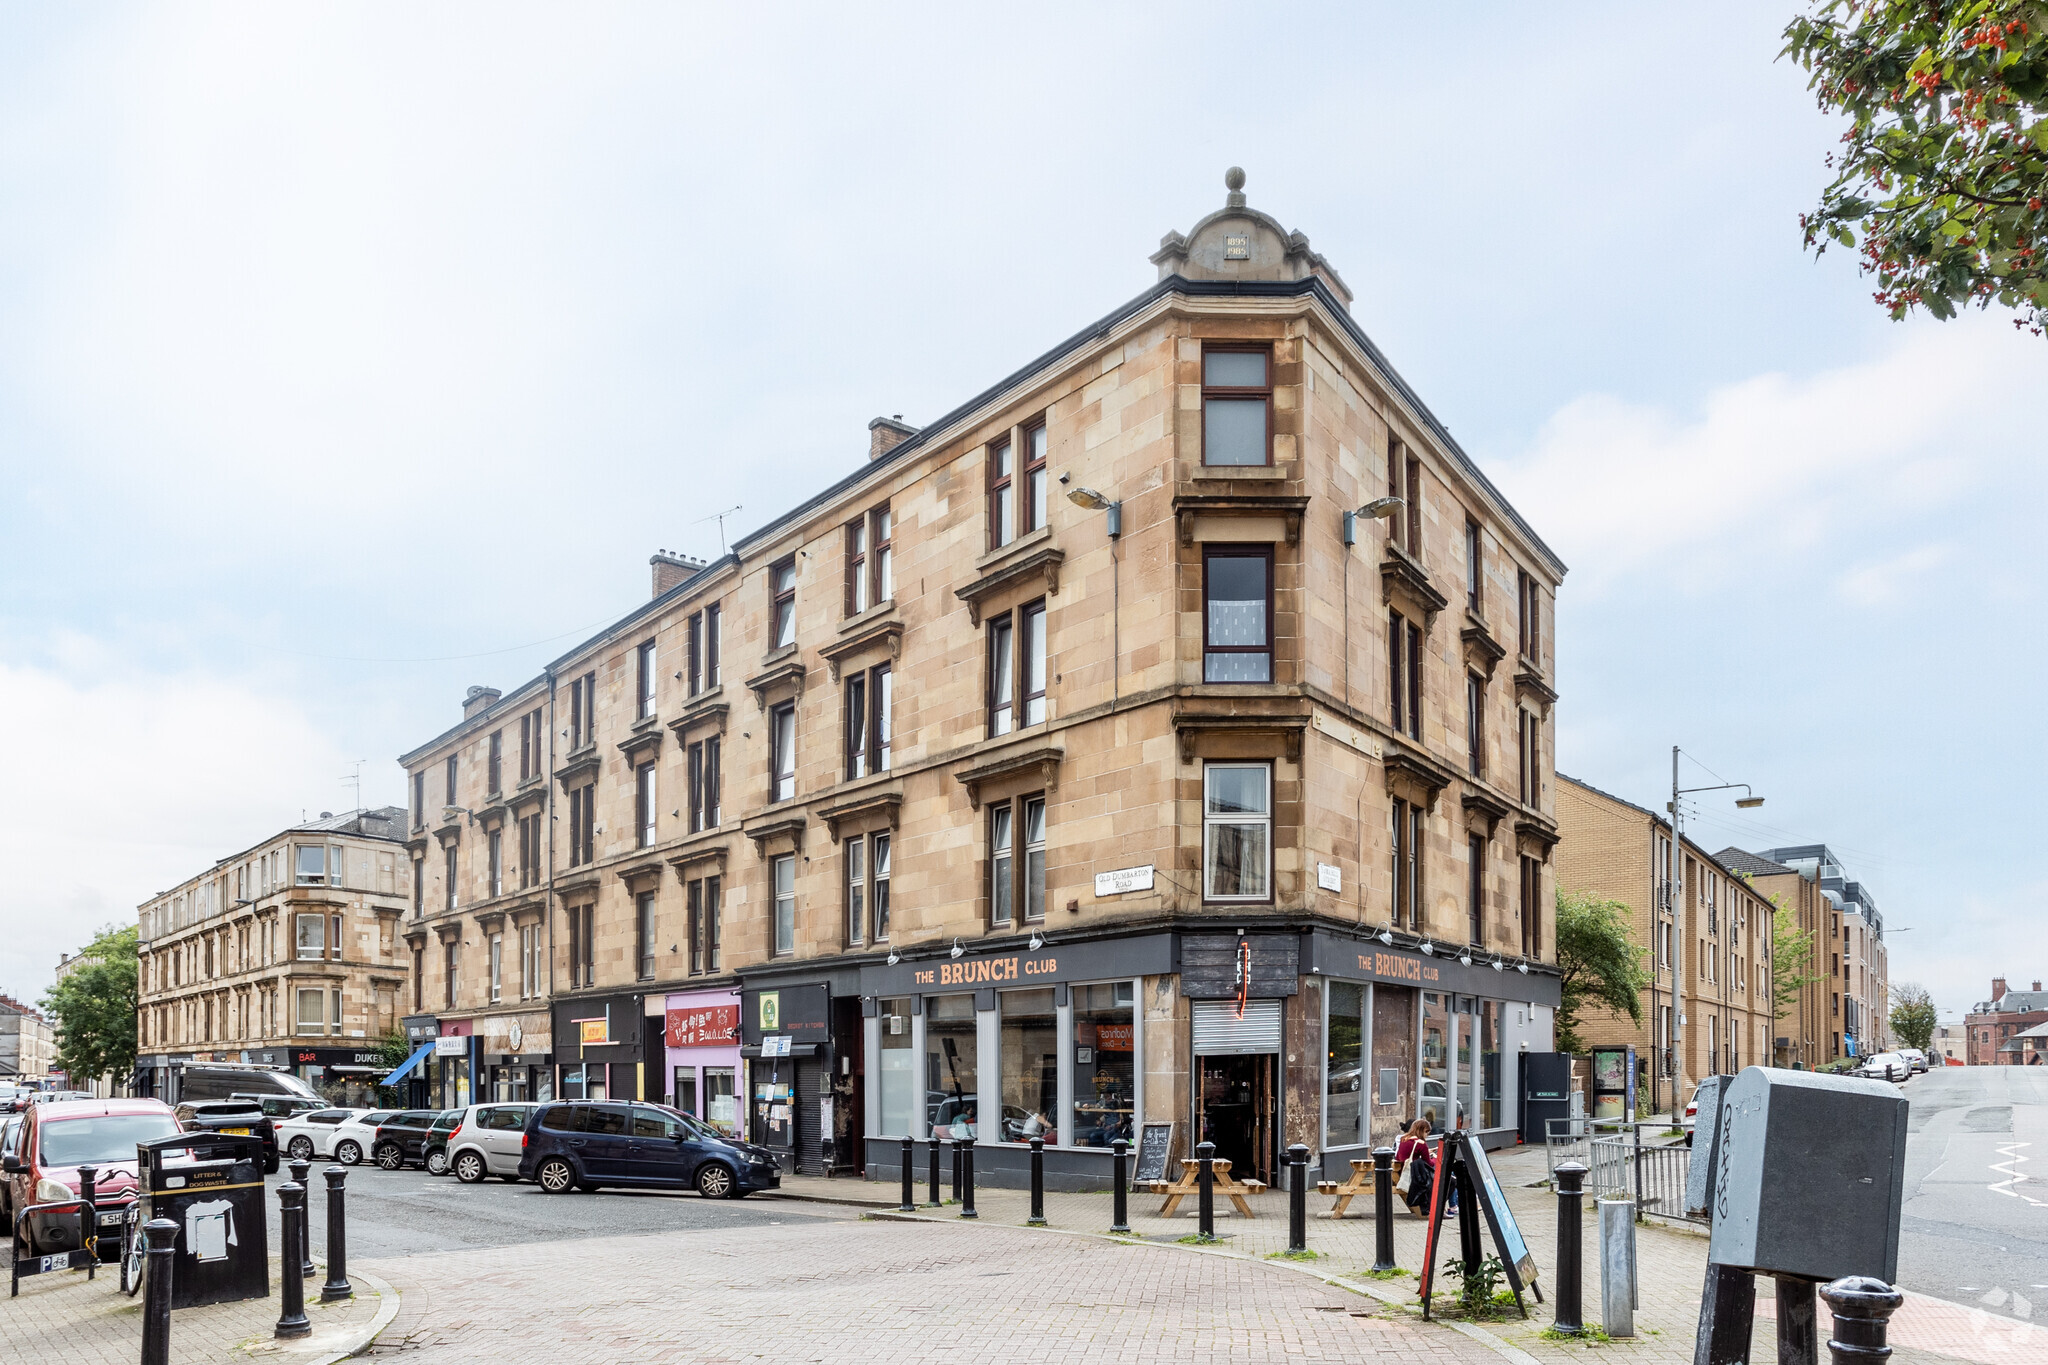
(1884, 1066)
(280, 1107)
(10, 1129)
(244, 1118)
(1915, 1057)
(54, 1140)
(402, 1139)
(199, 1081)
(584, 1145)
(434, 1151)
(356, 1138)
(489, 1141)
(312, 1133)
(15, 1098)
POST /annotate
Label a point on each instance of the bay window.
(1237, 614)
(1237, 406)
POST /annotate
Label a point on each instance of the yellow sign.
(771, 1011)
(594, 1030)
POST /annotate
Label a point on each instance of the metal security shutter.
(1219, 1032)
(810, 1154)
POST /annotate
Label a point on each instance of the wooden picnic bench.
(1361, 1182)
(1190, 1184)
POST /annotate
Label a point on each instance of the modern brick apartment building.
(285, 954)
(1811, 1032)
(1857, 959)
(1621, 851)
(1076, 762)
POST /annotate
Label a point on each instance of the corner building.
(1074, 765)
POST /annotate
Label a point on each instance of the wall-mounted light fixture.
(1378, 507)
(1083, 496)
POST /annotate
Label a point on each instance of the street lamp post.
(1681, 925)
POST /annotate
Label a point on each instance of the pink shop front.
(704, 1056)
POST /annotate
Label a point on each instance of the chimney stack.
(478, 699)
(886, 433)
(671, 568)
(2037, 985)
(1997, 989)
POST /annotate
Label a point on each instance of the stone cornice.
(1008, 573)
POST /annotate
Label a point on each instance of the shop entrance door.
(1237, 1108)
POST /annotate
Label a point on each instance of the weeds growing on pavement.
(1588, 1335)
(1296, 1256)
(1385, 1274)
(1198, 1240)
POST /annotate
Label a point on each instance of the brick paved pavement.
(1671, 1267)
(891, 1292)
(65, 1319)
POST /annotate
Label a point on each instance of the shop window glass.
(1105, 1064)
(1435, 1103)
(1030, 1066)
(951, 1077)
(721, 1102)
(1463, 1106)
(1491, 1113)
(1345, 1071)
(899, 1075)
(686, 1089)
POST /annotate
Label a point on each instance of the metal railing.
(1621, 1161)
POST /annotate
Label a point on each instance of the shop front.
(701, 1030)
(795, 1100)
(604, 1048)
(341, 1075)
(515, 1057)
(1006, 1045)
(1411, 1035)
(453, 1065)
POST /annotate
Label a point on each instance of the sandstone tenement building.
(1163, 736)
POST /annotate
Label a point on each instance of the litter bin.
(211, 1186)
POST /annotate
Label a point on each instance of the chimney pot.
(477, 699)
(886, 433)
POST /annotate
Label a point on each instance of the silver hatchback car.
(488, 1141)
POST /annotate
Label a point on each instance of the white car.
(353, 1138)
(489, 1141)
(1886, 1066)
(303, 1137)
(1915, 1056)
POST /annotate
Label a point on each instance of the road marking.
(2011, 1151)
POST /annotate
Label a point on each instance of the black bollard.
(162, 1236)
(89, 1217)
(909, 1204)
(1297, 1198)
(1120, 1209)
(337, 1286)
(302, 1173)
(967, 1179)
(1383, 1209)
(1863, 1308)
(292, 1322)
(1570, 1177)
(1205, 1185)
(933, 1156)
(956, 1169)
(1037, 1218)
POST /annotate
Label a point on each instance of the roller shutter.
(1219, 1031)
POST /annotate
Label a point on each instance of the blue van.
(588, 1144)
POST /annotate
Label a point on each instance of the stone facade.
(1032, 647)
(285, 954)
(27, 1046)
(1618, 851)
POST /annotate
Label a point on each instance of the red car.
(55, 1140)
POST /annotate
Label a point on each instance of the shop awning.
(409, 1063)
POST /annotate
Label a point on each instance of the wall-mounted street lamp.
(1082, 496)
(1381, 508)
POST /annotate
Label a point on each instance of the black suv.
(590, 1144)
(232, 1116)
(402, 1138)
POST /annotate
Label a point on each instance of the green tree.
(95, 1007)
(1598, 961)
(1941, 178)
(1791, 956)
(1913, 1015)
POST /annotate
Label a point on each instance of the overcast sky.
(351, 355)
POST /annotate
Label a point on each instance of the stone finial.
(1233, 180)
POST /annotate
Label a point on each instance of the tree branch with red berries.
(1942, 177)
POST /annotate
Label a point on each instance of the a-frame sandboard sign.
(1461, 1158)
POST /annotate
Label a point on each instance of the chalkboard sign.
(1507, 1236)
(1155, 1149)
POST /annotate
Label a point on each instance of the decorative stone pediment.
(1191, 728)
(769, 833)
(1415, 778)
(857, 647)
(1529, 682)
(1482, 651)
(1405, 584)
(1483, 808)
(1537, 832)
(582, 765)
(1018, 575)
(785, 673)
(863, 809)
(1040, 763)
(641, 746)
